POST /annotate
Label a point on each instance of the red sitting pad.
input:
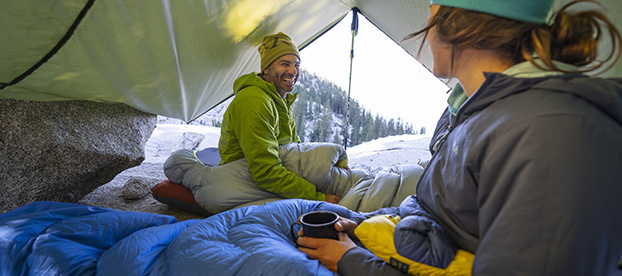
(178, 196)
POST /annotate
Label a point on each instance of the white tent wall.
(172, 58)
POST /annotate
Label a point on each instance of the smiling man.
(260, 119)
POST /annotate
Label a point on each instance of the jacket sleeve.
(257, 133)
(359, 262)
(550, 205)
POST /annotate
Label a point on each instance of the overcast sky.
(385, 79)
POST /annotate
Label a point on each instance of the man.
(260, 119)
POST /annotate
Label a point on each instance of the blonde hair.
(569, 37)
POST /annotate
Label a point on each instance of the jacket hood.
(253, 79)
(605, 94)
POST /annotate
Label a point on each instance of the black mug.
(317, 224)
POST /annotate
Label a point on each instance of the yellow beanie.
(274, 46)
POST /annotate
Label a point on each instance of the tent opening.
(385, 80)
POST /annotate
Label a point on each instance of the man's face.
(283, 72)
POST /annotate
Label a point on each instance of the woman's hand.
(347, 226)
(342, 225)
(327, 251)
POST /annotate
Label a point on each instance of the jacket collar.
(524, 69)
(604, 94)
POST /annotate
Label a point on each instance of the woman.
(525, 172)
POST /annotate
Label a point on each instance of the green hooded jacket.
(255, 124)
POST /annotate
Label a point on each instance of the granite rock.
(138, 187)
(61, 151)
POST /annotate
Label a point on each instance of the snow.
(384, 153)
(167, 138)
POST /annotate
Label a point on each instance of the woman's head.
(569, 37)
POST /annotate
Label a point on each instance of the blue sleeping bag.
(51, 238)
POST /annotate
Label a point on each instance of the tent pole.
(354, 27)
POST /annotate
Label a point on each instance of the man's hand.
(327, 251)
(332, 198)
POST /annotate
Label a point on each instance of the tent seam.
(55, 49)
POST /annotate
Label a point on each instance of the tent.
(173, 58)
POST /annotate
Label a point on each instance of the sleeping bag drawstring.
(355, 29)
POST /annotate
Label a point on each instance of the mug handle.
(294, 234)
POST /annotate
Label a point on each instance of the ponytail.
(573, 38)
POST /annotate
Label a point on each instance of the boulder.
(61, 151)
(137, 187)
(190, 140)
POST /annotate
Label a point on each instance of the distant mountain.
(320, 114)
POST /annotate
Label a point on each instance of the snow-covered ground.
(167, 138)
(390, 151)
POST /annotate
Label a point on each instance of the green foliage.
(320, 115)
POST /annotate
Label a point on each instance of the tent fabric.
(172, 58)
